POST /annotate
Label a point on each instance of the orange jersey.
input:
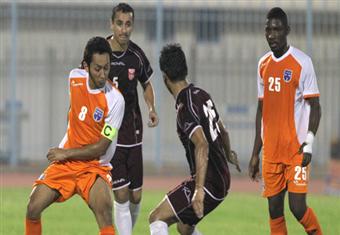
(284, 83)
(90, 110)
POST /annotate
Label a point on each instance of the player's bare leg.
(276, 211)
(304, 214)
(135, 197)
(100, 202)
(185, 229)
(41, 197)
(161, 217)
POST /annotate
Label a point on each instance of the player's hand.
(253, 168)
(307, 157)
(198, 202)
(153, 119)
(233, 160)
(56, 154)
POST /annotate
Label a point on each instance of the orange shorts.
(73, 177)
(280, 176)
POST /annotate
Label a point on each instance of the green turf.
(238, 214)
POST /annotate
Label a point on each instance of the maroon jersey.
(127, 68)
(195, 108)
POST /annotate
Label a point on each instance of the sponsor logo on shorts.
(187, 193)
(118, 181)
(297, 183)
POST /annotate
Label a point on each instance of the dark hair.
(173, 63)
(96, 45)
(278, 13)
(123, 7)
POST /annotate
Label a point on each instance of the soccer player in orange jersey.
(287, 120)
(81, 164)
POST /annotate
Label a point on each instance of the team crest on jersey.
(287, 75)
(131, 74)
(98, 114)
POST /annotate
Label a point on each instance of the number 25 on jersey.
(274, 84)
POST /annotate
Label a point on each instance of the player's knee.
(102, 208)
(275, 210)
(297, 210)
(184, 229)
(136, 197)
(121, 195)
(33, 210)
(154, 215)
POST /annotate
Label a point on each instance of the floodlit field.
(240, 214)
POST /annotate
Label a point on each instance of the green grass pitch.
(240, 213)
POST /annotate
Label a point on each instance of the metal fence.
(223, 41)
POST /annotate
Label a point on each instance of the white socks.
(159, 228)
(122, 218)
(196, 232)
(134, 211)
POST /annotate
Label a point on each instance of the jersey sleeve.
(260, 84)
(146, 69)
(308, 81)
(116, 112)
(188, 121)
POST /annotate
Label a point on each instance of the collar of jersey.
(93, 91)
(288, 52)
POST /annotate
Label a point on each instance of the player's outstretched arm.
(253, 168)
(149, 97)
(201, 159)
(230, 154)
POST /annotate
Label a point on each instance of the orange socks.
(109, 230)
(310, 223)
(33, 227)
(278, 226)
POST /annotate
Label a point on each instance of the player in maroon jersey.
(129, 66)
(207, 149)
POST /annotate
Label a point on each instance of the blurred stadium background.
(41, 41)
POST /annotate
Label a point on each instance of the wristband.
(309, 142)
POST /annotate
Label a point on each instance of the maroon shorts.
(180, 201)
(127, 168)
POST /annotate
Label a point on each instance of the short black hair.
(173, 63)
(123, 7)
(278, 13)
(96, 45)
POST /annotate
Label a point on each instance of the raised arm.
(201, 159)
